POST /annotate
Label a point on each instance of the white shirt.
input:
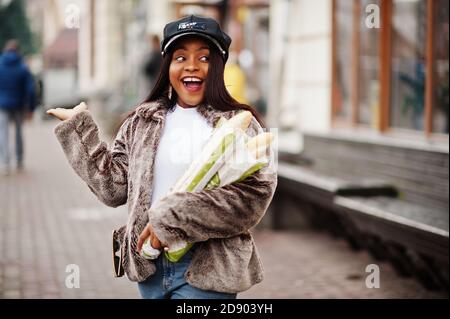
(184, 134)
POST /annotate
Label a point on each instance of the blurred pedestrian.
(152, 64)
(17, 102)
(235, 80)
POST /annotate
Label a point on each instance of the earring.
(169, 94)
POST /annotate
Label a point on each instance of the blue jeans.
(168, 282)
(17, 117)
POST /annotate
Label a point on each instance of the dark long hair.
(216, 93)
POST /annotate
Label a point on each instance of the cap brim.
(199, 34)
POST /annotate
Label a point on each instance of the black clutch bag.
(117, 256)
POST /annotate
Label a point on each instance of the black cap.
(194, 25)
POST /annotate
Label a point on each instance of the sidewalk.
(49, 219)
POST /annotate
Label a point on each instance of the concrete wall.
(300, 64)
(107, 46)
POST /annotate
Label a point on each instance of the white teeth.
(191, 79)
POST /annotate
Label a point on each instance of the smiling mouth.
(192, 84)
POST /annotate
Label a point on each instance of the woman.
(149, 155)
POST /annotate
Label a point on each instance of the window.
(368, 81)
(408, 64)
(343, 64)
(394, 77)
(440, 67)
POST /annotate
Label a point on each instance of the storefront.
(391, 77)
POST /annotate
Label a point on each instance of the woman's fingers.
(59, 113)
(148, 233)
(80, 107)
(155, 242)
(144, 235)
(65, 114)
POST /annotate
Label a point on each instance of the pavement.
(53, 228)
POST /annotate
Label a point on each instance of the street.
(49, 220)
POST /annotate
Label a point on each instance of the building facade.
(374, 67)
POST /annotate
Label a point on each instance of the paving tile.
(49, 219)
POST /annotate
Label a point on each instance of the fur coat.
(216, 220)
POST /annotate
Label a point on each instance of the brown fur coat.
(217, 220)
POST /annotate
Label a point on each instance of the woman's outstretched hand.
(66, 114)
(148, 233)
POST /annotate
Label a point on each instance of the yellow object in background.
(242, 14)
(235, 82)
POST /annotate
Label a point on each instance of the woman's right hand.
(66, 114)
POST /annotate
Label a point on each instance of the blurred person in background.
(235, 80)
(17, 102)
(152, 63)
